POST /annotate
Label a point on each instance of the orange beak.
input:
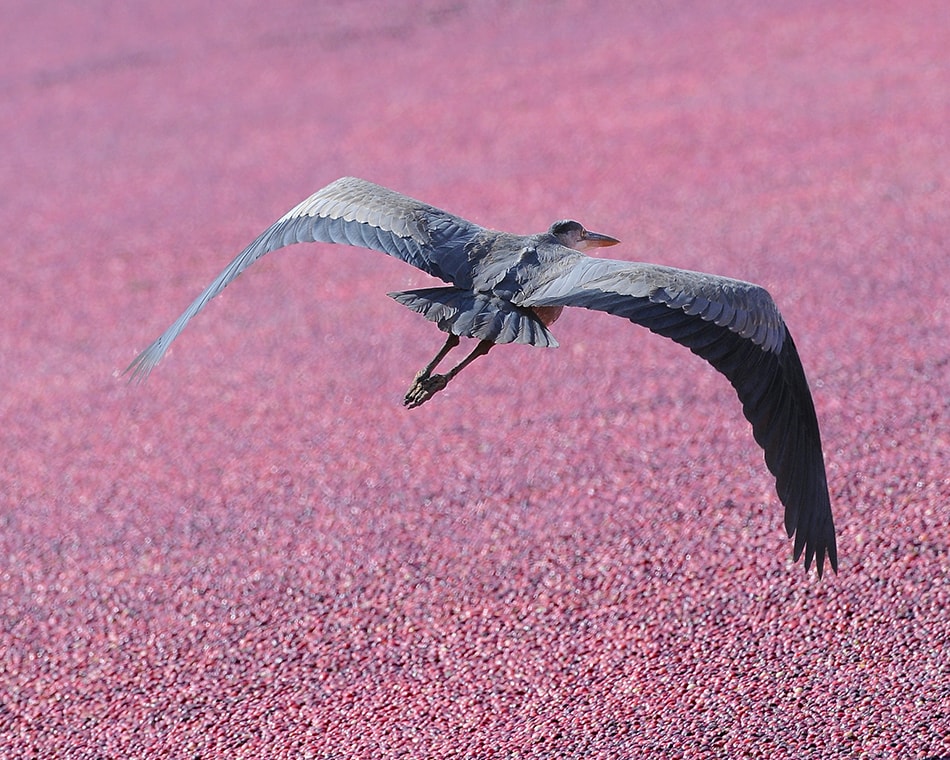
(596, 240)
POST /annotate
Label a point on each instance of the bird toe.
(423, 388)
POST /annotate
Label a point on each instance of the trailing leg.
(426, 385)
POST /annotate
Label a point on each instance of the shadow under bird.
(505, 288)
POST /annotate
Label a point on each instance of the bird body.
(506, 288)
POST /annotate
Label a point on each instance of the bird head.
(573, 235)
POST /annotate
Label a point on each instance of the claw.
(423, 388)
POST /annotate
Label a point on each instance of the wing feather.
(354, 212)
(736, 327)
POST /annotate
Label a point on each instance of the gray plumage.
(505, 288)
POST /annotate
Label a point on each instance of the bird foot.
(423, 388)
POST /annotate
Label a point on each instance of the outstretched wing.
(737, 328)
(353, 212)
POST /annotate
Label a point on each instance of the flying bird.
(505, 288)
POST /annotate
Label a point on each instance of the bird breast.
(547, 314)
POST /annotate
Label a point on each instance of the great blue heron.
(506, 288)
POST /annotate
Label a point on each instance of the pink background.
(570, 553)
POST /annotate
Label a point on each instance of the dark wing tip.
(816, 549)
(785, 425)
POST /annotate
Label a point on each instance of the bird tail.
(477, 315)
